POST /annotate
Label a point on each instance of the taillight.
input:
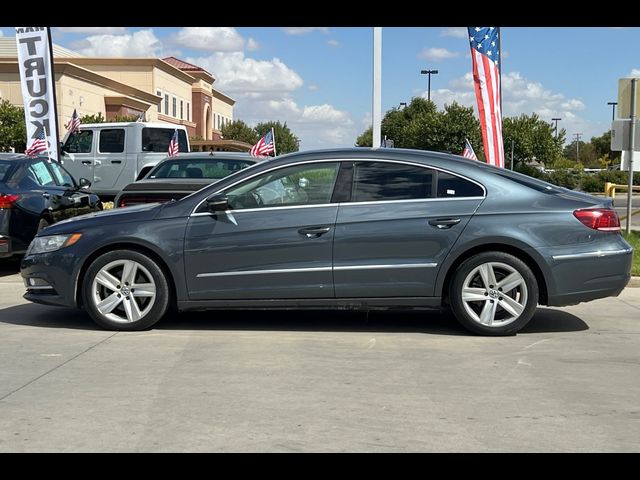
(603, 219)
(9, 200)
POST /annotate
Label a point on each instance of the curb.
(634, 282)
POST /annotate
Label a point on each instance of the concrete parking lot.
(319, 381)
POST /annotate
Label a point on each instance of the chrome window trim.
(339, 160)
(315, 269)
(603, 253)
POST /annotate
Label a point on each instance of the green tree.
(13, 132)
(602, 145)
(587, 154)
(365, 139)
(286, 141)
(533, 139)
(98, 118)
(238, 130)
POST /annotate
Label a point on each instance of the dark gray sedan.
(352, 228)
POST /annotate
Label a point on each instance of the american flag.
(74, 124)
(468, 150)
(141, 118)
(485, 49)
(173, 144)
(38, 145)
(265, 146)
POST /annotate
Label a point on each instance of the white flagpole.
(273, 136)
(377, 87)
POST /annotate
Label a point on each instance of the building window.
(174, 113)
(181, 110)
(159, 93)
(188, 111)
(166, 104)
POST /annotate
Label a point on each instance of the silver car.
(353, 228)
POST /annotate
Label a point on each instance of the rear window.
(5, 167)
(157, 139)
(199, 168)
(527, 181)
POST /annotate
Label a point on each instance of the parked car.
(112, 155)
(175, 177)
(351, 228)
(36, 193)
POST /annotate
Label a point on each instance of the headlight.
(51, 243)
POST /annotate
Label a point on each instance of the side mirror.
(84, 183)
(218, 203)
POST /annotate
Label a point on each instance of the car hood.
(136, 213)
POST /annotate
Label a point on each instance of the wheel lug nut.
(128, 298)
(119, 287)
(500, 289)
(119, 295)
(490, 286)
(499, 298)
(486, 294)
(491, 301)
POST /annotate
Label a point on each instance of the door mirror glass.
(217, 203)
(84, 183)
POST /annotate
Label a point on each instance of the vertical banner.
(36, 80)
(485, 52)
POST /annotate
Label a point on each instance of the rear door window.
(452, 186)
(382, 181)
(111, 140)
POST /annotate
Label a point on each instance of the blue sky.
(318, 79)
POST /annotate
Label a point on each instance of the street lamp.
(403, 104)
(429, 72)
(556, 120)
(613, 114)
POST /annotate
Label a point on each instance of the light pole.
(577, 135)
(429, 72)
(613, 113)
(556, 120)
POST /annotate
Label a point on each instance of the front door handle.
(313, 232)
(87, 162)
(116, 161)
(442, 223)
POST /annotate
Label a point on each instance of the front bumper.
(49, 278)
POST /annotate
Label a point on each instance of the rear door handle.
(86, 162)
(313, 232)
(442, 223)
(116, 161)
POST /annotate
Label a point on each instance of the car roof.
(17, 156)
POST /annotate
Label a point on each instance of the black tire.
(118, 318)
(503, 314)
(42, 224)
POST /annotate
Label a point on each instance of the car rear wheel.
(125, 290)
(493, 293)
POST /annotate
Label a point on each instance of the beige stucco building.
(166, 90)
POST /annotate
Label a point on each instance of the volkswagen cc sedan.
(353, 228)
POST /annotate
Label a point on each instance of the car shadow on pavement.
(428, 322)
(9, 266)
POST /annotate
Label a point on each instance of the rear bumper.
(10, 246)
(581, 277)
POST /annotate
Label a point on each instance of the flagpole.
(273, 136)
(55, 101)
(377, 87)
(46, 135)
(500, 67)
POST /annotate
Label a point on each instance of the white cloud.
(304, 30)
(334, 43)
(95, 30)
(236, 73)
(635, 72)
(142, 43)
(313, 87)
(214, 39)
(522, 96)
(437, 54)
(456, 32)
(252, 45)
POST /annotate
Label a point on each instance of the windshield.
(213, 168)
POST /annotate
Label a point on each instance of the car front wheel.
(493, 293)
(125, 290)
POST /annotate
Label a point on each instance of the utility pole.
(577, 135)
(556, 120)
